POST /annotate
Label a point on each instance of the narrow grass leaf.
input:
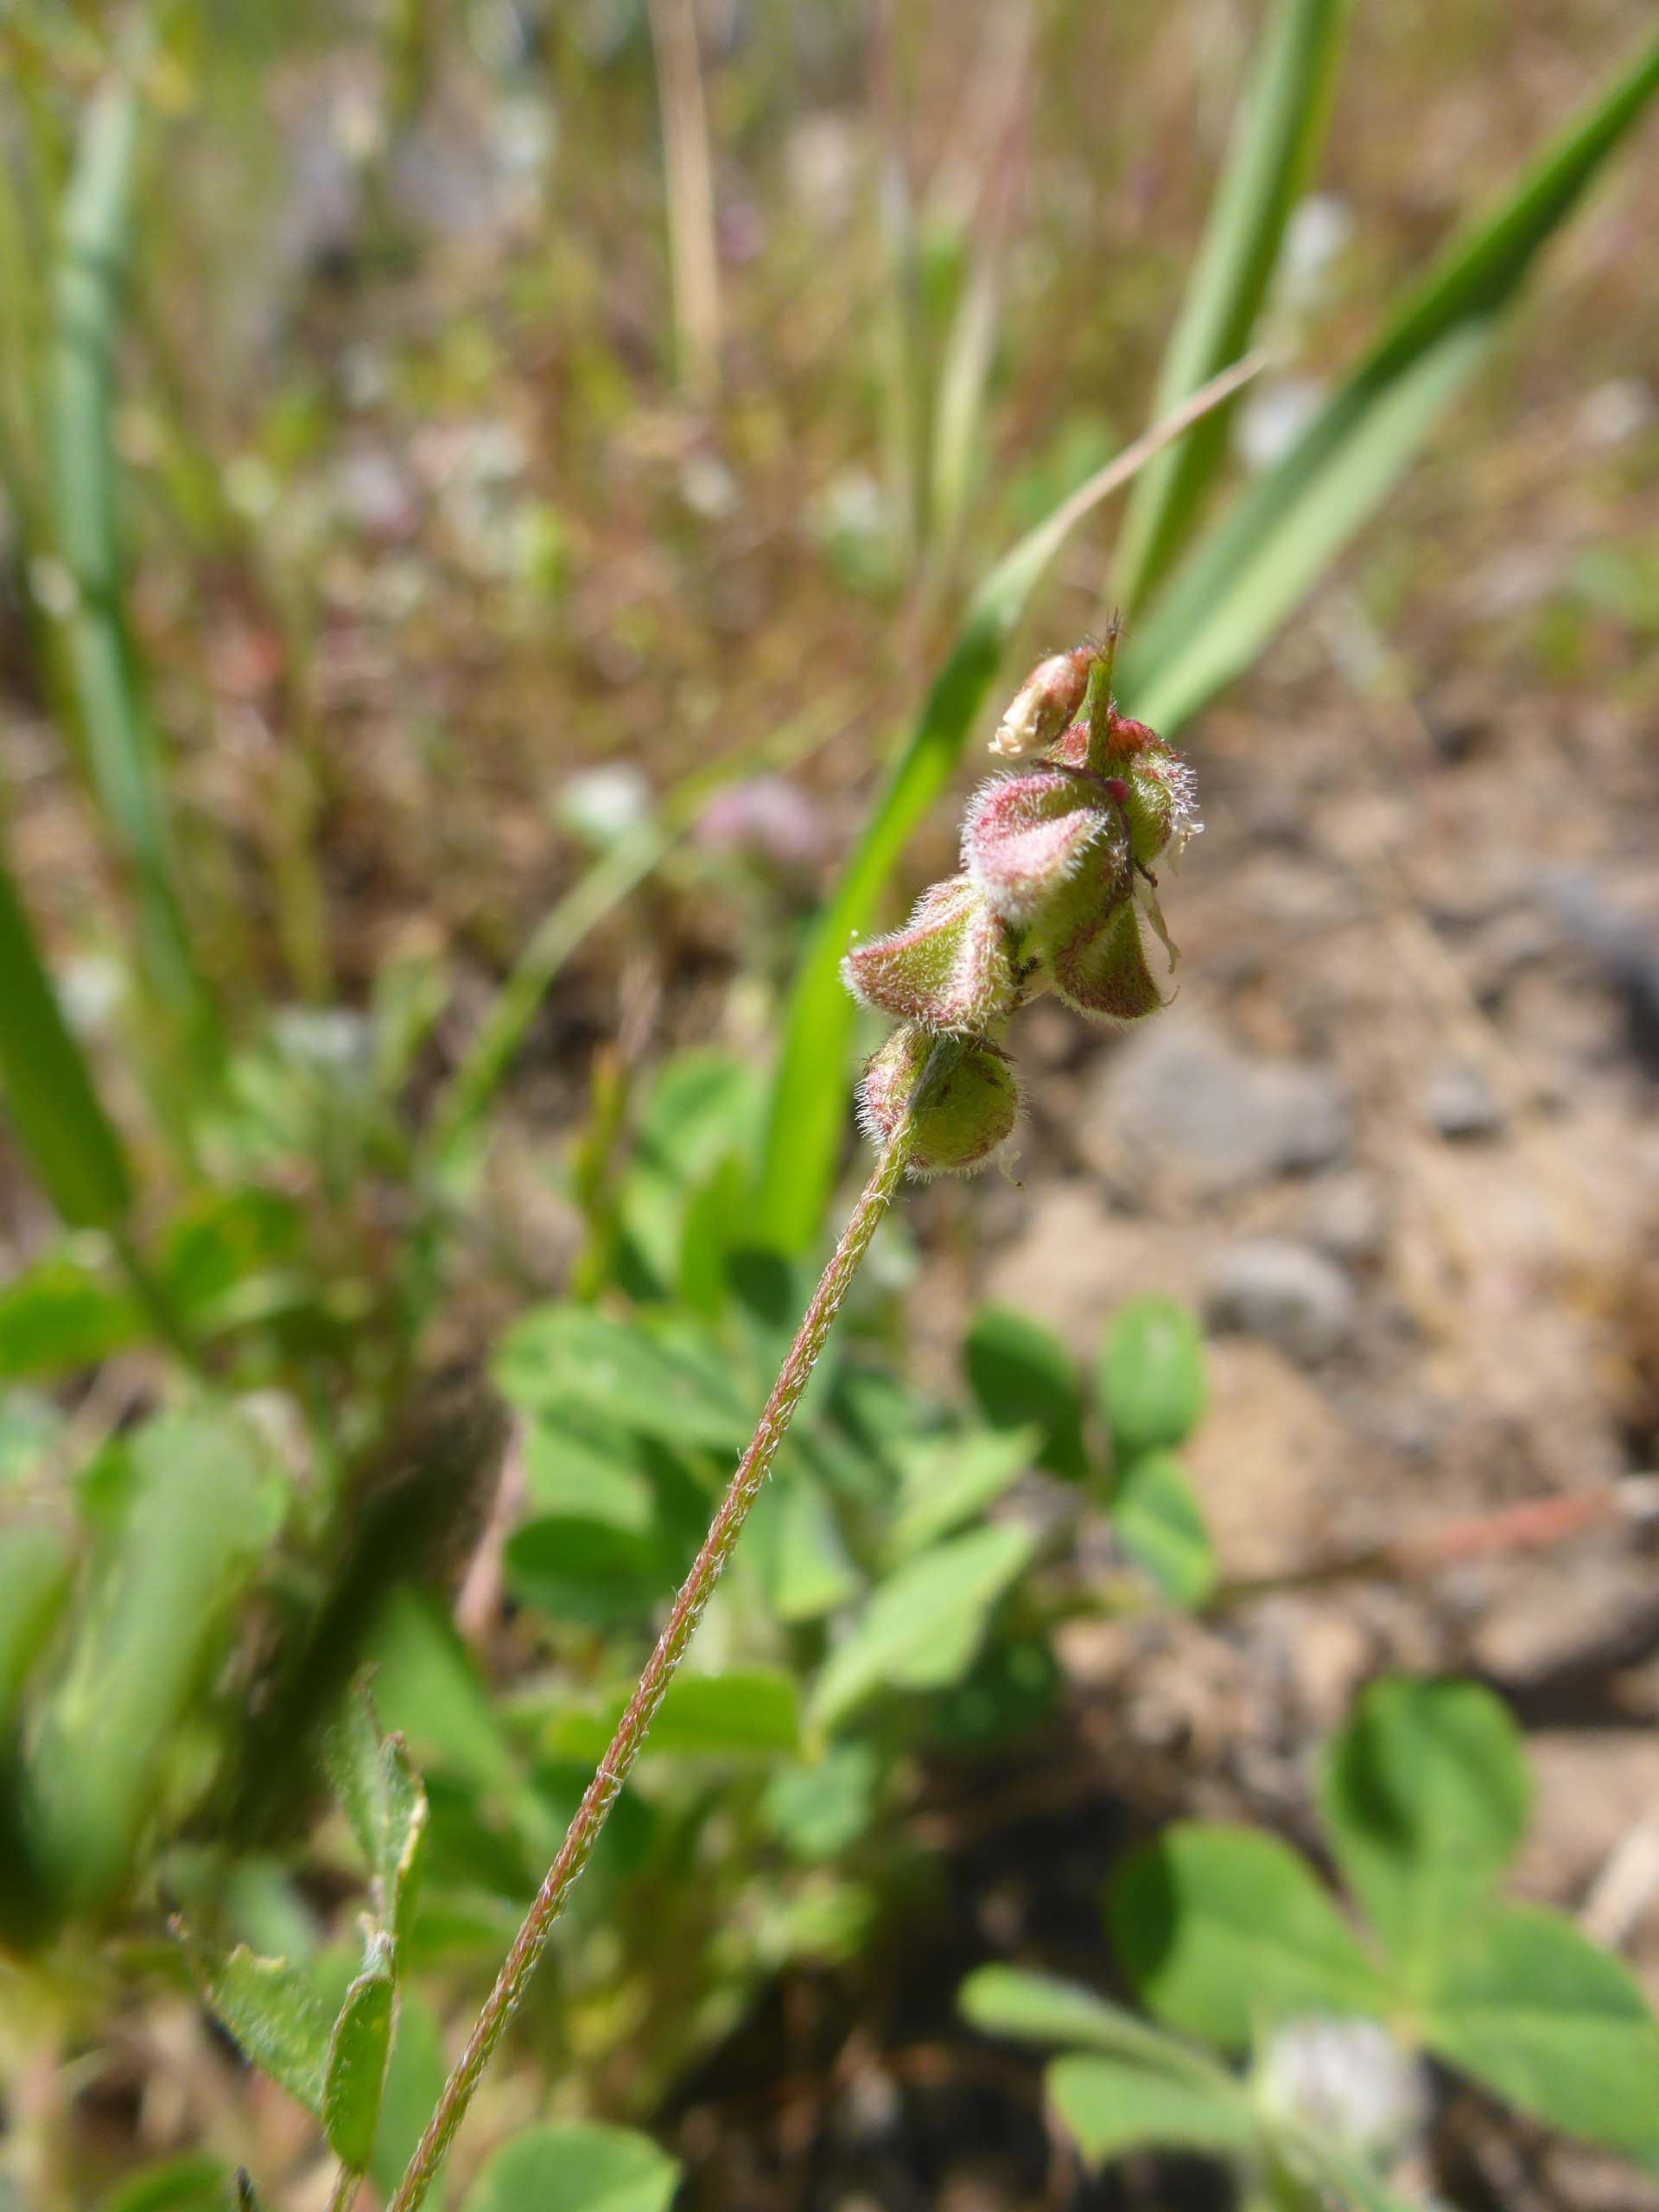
(1276, 135)
(201, 1504)
(122, 745)
(566, 925)
(37, 1567)
(1227, 599)
(49, 1092)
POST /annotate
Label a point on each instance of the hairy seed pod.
(950, 968)
(969, 1113)
(1153, 782)
(1097, 965)
(1025, 838)
(1045, 703)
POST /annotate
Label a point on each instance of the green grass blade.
(47, 1087)
(37, 1565)
(959, 416)
(123, 749)
(1279, 124)
(200, 1505)
(808, 1106)
(1251, 572)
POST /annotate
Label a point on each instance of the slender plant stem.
(531, 1941)
(343, 2195)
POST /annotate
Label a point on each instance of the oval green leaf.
(1225, 1931)
(575, 2169)
(1425, 1794)
(1151, 1380)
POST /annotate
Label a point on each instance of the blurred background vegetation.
(498, 503)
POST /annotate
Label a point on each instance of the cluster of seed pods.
(1056, 882)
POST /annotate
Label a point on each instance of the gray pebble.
(1181, 1097)
(1288, 1294)
(1459, 1103)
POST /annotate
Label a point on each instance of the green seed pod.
(969, 1113)
(1097, 965)
(950, 968)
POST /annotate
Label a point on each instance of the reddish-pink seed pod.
(1024, 837)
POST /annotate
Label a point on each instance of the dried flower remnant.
(1348, 2081)
(1045, 703)
(1057, 877)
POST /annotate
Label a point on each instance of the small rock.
(1346, 1216)
(1287, 1294)
(1625, 943)
(1458, 1103)
(1183, 1097)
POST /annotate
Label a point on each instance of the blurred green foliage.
(1232, 1942)
(251, 1369)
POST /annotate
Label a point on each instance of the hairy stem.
(603, 1790)
(343, 2195)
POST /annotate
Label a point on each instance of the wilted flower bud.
(1045, 703)
(950, 967)
(1024, 837)
(966, 1116)
(1092, 954)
